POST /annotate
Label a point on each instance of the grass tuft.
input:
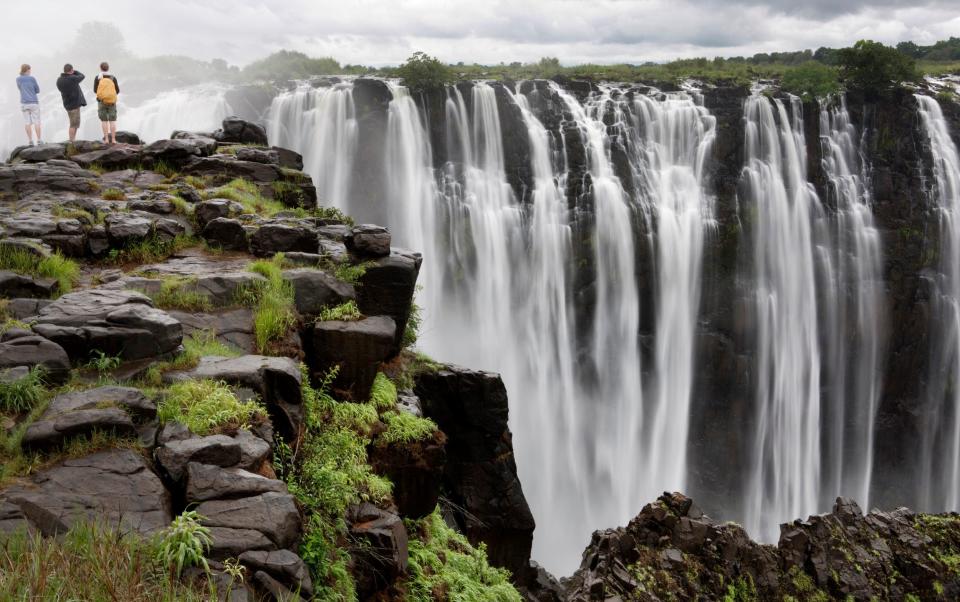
(205, 406)
(65, 271)
(175, 293)
(383, 393)
(150, 250)
(345, 312)
(22, 394)
(274, 314)
(404, 428)
(113, 194)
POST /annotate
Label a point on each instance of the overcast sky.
(376, 32)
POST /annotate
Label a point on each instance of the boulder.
(208, 211)
(387, 288)
(109, 409)
(228, 234)
(32, 350)
(172, 152)
(17, 285)
(124, 229)
(233, 327)
(122, 323)
(357, 347)
(20, 308)
(257, 155)
(480, 477)
(217, 450)
(288, 158)
(207, 482)
(55, 175)
(124, 137)
(278, 237)
(152, 205)
(118, 156)
(382, 554)
(416, 471)
(238, 130)
(204, 143)
(275, 589)
(314, 290)
(368, 240)
(231, 542)
(40, 153)
(283, 565)
(272, 514)
(115, 487)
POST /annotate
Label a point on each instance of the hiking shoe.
(39, 142)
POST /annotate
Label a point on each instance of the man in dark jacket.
(69, 85)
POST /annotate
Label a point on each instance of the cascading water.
(939, 464)
(319, 122)
(785, 476)
(856, 333)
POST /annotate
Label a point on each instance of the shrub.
(383, 393)
(56, 266)
(423, 72)
(404, 427)
(184, 543)
(22, 394)
(345, 312)
(205, 406)
(88, 562)
(443, 561)
(811, 80)
(101, 362)
(113, 194)
(872, 67)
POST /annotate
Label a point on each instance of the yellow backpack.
(107, 91)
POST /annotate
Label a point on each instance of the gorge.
(731, 292)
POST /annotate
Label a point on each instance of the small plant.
(412, 331)
(247, 194)
(205, 406)
(350, 273)
(404, 428)
(383, 393)
(164, 169)
(197, 182)
(289, 194)
(233, 568)
(345, 312)
(274, 314)
(113, 194)
(22, 394)
(56, 266)
(150, 250)
(184, 543)
(175, 293)
(101, 362)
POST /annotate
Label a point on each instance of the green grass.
(351, 273)
(65, 271)
(101, 362)
(89, 562)
(247, 194)
(184, 543)
(113, 194)
(404, 427)
(198, 182)
(176, 293)
(412, 330)
(443, 566)
(205, 406)
(22, 394)
(274, 314)
(200, 343)
(150, 250)
(383, 393)
(165, 169)
(345, 312)
(76, 213)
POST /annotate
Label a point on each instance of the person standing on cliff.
(29, 103)
(107, 88)
(69, 85)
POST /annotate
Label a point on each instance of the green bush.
(404, 427)
(423, 72)
(443, 561)
(184, 543)
(383, 393)
(205, 406)
(811, 80)
(872, 67)
(345, 312)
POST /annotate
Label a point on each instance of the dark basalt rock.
(257, 155)
(115, 488)
(39, 153)
(274, 515)
(279, 237)
(288, 158)
(123, 323)
(382, 557)
(216, 450)
(174, 152)
(274, 588)
(416, 471)
(26, 350)
(235, 129)
(16, 285)
(54, 175)
(356, 347)
(282, 565)
(227, 234)
(205, 144)
(119, 156)
(368, 240)
(206, 482)
(387, 288)
(315, 290)
(207, 211)
(480, 477)
(124, 137)
(107, 409)
(127, 228)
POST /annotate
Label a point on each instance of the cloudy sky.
(377, 32)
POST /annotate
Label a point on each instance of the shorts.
(74, 115)
(106, 112)
(31, 114)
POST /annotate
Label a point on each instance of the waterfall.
(319, 122)
(784, 479)
(939, 465)
(856, 331)
(675, 138)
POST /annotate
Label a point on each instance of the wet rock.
(207, 482)
(357, 347)
(122, 323)
(272, 238)
(233, 327)
(207, 211)
(55, 175)
(173, 152)
(20, 308)
(283, 565)
(216, 450)
(315, 290)
(227, 234)
(119, 156)
(235, 129)
(368, 240)
(39, 153)
(16, 285)
(272, 514)
(387, 288)
(205, 144)
(124, 137)
(158, 206)
(32, 350)
(257, 155)
(288, 158)
(124, 229)
(416, 471)
(382, 555)
(114, 487)
(230, 542)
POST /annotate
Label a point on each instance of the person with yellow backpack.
(107, 89)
